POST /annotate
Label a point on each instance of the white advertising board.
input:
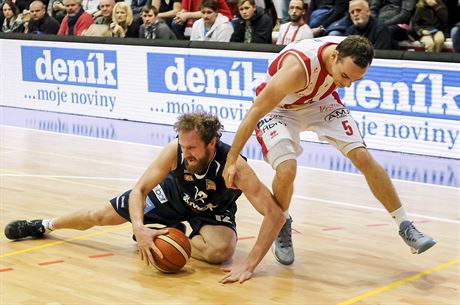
(404, 106)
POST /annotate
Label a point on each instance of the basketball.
(176, 249)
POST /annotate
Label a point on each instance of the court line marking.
(60, 242)
(250, 160)
(399, 283)
(356, 206)
(331, 202)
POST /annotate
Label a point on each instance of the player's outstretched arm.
(154, 174)
(288, 79)
(263, 201)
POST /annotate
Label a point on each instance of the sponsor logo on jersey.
(210, 185)
(337, 114)
(188, 177)
(160, 194)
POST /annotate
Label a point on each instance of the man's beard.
(296, 18)
(200, 166)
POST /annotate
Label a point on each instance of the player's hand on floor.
(238, 273)
(145, 237)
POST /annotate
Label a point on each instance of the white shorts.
(279, 131)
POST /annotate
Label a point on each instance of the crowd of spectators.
(384, 22)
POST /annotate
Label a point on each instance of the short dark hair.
(207, 125)
(209, 4)
(358, 48)
(146, 9)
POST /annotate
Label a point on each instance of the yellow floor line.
(55, 243)
(399, 283)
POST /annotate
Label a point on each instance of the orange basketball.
(176, 249)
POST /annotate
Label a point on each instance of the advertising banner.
(405, 106)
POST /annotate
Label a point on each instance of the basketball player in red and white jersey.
(299, 94)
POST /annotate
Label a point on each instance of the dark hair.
(13, 6)
(149, 8)
(206, 124)
(358, 48)
(209, 4)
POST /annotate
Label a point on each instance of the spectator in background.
(455, 35)
(167, 9)
(252, 25)
(76, 20)
(123, 24)
(429, 23)
(40, 22)
(90, 6)
(297, 29)
(213, 26)
(137, 6)
(105, 13)
(56, 9)
(366, 25)
(323, 13)
(191, 12)
(395, 14)
(282, 12)
(13, 21)
(154, 27)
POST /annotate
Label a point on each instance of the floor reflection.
(424, 169)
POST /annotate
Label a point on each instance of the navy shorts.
(169, 213)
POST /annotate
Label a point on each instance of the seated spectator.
(191, 12)
(455, 35)
(323, 13)
(76, 20)
(213, 26)
(167, 9)
(154, 27)
(252, 25)
(40, 22)
(296, 29)
(395, 14)
(123, 24)
(105, 13)
(429, 23)
(13, 21)
(56, 9)
(366, 25)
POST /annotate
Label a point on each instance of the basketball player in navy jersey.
(299, 94)
(184, 183)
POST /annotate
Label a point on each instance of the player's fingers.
(156, 250)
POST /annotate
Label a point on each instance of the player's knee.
(219, 253)
(286, 171)
(362, 159)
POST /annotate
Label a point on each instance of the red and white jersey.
(319, 83)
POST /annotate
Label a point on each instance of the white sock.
(286, 214)
(48, 224)
(399, 216)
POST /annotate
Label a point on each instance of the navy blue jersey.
(194, 194)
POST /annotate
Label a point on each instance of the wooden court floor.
(347, 248)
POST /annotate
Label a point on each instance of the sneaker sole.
(424, 247)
